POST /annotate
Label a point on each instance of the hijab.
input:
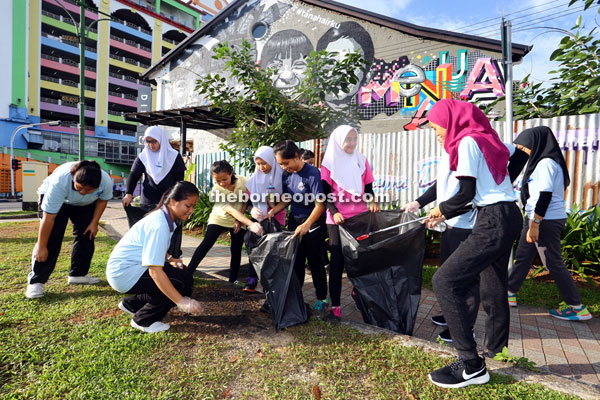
(346, 169)
(543, 144)
(462, 119)
(158, 163)
(260, 182)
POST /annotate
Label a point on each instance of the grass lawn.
(74, 343)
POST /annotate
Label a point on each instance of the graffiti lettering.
(317, 18)
(486, 81)
(426, 171)
(417, 77)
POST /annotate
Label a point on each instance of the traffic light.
(16, 164)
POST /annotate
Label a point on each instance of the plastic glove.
(257, 214)
(189, 306)
(256, 228)
(412, 207)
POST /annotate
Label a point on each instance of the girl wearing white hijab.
(347, 176)
(266, 180)
(161, 165)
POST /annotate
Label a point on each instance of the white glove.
(412, 207)
(189, 306)
(256, 228)
(257, 214)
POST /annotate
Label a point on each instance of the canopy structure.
(200, 117)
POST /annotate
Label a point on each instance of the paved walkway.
(570, 349)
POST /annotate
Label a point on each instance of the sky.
(482, 17)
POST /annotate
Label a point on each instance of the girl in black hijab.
(542, 193)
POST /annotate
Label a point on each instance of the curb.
(19, 216)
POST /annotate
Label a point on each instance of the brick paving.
(570, 349)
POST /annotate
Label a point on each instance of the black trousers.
(311, 250)
(549, 248)
(150, 304)
(83, 246)
(457, 286)
(210, 237)
(134, 214)
(336, 265)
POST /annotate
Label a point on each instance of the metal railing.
(49, 79)
(49, 100)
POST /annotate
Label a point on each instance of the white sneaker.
(83, 280)
(124, 309)
(154, 328)
(34, 290)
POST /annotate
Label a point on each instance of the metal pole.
(183, 139)
(12, 141)
(81, 80)
(509, 83)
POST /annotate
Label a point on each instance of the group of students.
(475, 198)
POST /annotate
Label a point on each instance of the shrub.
(201, 213)
(581, 241)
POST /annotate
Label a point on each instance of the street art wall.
(407, 74)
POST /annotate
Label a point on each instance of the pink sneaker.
(336, 312)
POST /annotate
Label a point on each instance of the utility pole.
(508, 77)
(81, 80)
(81, 31)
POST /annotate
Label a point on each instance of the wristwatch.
(536, 220)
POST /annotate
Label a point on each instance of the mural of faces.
(185, 71)
(348, 38)
(285, 53)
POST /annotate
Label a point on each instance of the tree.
(263, 115)
(575, 87)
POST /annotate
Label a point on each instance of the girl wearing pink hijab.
(480, 162)
(347, 175)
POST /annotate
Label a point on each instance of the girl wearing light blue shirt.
(139, 264)
(76, 191)
(543, 190)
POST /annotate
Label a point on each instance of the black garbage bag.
(272, 256)
(134, 214)
(386, 268)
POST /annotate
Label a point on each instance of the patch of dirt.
(19, 229)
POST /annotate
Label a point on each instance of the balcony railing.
(49, 79)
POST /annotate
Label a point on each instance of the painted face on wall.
(290, 72)
(338, 50)
(286, 52)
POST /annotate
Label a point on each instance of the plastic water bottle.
(439, 227)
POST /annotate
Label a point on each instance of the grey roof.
(518, 50)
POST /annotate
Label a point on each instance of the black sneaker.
(445, 336)
(439, 320)
(460, 374)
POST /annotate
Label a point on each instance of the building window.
(259, 30)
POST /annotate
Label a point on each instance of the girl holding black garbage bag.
(542, 193)
(302, 183)
(140, 265)
(264, 188)
(228, 195)
(480, 162)
(347, 177)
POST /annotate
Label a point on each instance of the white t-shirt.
(58, 190)
(446, 186)
(547, 177)
(145, 244)
(471, 163)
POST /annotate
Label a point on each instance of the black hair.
(87, 173)
(354, 31)
(289, 43)
(178, 192)
(223, 166)
(306, 154)
(287, 148)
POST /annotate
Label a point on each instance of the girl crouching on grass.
(347, 175)
(227, 214)
(139, 264)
